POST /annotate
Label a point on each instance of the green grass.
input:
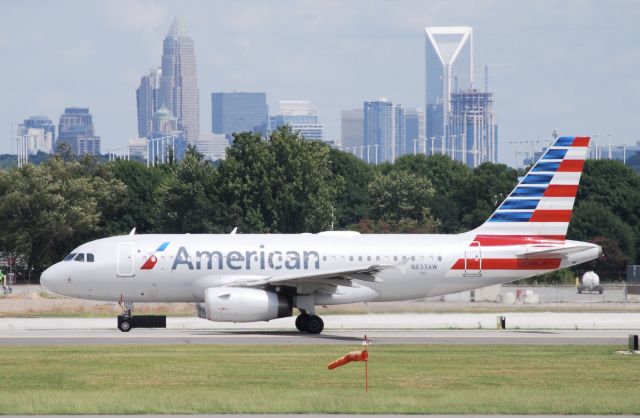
(294, 379)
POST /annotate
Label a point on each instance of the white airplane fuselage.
(420, 265)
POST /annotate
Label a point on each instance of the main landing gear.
(312, 324)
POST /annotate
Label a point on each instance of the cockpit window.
(90, 257)
(69, 257)
(79, 257)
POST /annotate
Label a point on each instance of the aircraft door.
(473, 260)
(126, 259)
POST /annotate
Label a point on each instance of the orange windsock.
(348, 358)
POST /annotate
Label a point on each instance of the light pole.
(415, 144)
(443, 142)
(624, 154)
(424, 145)
(609, 142)
(516, 144)
(368, 149)
(453, 147)
(595, 145)
(433, 144)
(375, 147)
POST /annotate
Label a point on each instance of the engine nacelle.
(241, 304)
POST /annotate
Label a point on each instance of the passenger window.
(395, 258)
(368, 258)
(413, 258)
(90, 257)
(350, 258)
(69, 257)
(79, 257)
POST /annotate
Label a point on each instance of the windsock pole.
(365, 343)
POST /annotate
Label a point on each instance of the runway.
(530, 328)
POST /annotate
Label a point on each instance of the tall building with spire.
(179, 82)
(449, 69)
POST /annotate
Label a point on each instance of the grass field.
(294, 379)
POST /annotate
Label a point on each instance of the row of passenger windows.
(79, 257)
(333, 258)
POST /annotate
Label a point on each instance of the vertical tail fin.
(540, 206)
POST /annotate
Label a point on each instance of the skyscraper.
(352, 122)
(414, 132)
(39, 133)
(239, 112)
(378, 130)
(148, 101)
(179, 83)
(399, 132)
(449, 68)
(473, 131)
(301, 116)
(76, 129)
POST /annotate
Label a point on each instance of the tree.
(400, 196)
(282, 184)
(592, 219)
(140, 207)
(352, 200)
(447, 177)
(49, 209)
(483, 191)
(190, 198)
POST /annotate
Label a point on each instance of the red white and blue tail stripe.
(540, 207)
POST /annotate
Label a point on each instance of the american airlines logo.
(153, 259)
(238, 260)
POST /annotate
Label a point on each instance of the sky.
(571, 66)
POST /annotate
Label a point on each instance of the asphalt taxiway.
(525, 328)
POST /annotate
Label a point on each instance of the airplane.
(260, 277)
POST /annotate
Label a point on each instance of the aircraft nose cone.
(46, 279)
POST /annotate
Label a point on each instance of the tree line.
(285, 184)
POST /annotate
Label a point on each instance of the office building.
(239, 112)
(473, 133)
(352, 128)
(148, 101)
(399, 132)
(76, 129)
(38, 134)
(415, 140)
(301, 116)
(178, 82)
(380, 129)
(449, 69)
(213, 146)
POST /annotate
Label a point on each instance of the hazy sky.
(573, 66)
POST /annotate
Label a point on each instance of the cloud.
(79, 52)
(135, 15)
(4, 40)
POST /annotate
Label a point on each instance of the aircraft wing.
(333, 278)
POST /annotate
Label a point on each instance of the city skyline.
(564, 62)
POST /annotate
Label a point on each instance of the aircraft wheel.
(302, 322)
(315, 325)
(125, 326)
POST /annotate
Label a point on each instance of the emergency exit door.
(126, 259)
(473, 260)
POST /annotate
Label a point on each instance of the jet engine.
(240, 304)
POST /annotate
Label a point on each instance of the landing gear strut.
(125, 321)
(312, 324)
